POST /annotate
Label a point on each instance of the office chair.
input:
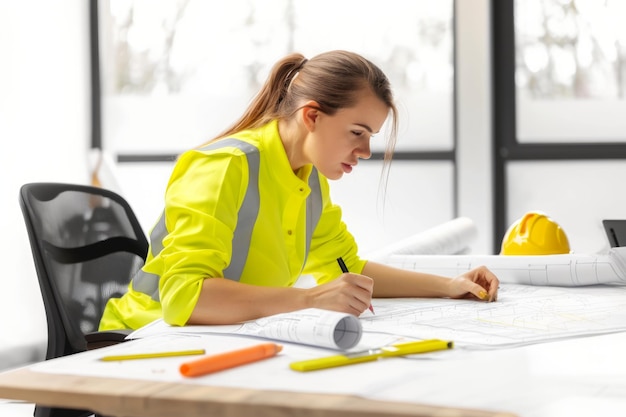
(86, 244)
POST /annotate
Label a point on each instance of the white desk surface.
(570, 377)
(578, 377)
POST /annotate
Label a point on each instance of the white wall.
(44, 129)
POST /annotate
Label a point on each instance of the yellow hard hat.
(535, 234)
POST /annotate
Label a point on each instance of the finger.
(490, 281)
(495, 289)
(357, 290)
(493, 292)
(364, 282)
(355, 311)
(491, 287)
(357, 308)
(362, 299)
(480, 293)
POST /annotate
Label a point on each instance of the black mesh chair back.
(86, 244)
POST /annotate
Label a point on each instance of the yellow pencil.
(152, 355)
(400, 349)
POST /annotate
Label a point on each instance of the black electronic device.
(616, 232)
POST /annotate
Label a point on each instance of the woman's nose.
(363, 151)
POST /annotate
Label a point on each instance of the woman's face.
(336, 142)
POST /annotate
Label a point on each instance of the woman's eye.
(357, 132)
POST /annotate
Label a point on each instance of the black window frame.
(506, 147)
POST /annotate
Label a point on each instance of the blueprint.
(522, 315)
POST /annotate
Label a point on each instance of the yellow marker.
(399, 349)
(152, 355)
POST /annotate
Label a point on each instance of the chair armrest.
(104, 338)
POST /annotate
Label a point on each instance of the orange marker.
(226, 360)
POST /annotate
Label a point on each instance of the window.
(174, 73)
(570, 63)
(560, 141)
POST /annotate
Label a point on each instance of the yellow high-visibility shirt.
(204, 196)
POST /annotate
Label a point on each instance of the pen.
(344, 269)
(399, 349)
(152, 355)
(226, 360)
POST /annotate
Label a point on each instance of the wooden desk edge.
(140, 398)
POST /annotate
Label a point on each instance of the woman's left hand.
(478, 283)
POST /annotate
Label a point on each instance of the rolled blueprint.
(566, 270)
(449, 238)
(311, 326)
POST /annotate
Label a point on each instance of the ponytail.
(332, 79)
(265, 105)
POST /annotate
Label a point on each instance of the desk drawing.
(522, 315)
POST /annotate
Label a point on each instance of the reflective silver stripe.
(149, 283)
(313, 208)
(145, 282)
(249, 210)
(156, 236)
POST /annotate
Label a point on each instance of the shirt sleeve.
(201, 203)
(331, 240)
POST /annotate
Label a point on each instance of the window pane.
(175, 73)
(571, 70)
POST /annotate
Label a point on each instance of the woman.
(249, 212)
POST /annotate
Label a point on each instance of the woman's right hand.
(349, 293)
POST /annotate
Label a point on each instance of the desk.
(124, 397)
(571, 374)
(571, 378)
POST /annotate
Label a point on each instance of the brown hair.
(333, 79)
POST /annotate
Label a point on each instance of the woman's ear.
(310, 112)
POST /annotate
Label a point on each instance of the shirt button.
(289, 232)
(301, 189)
